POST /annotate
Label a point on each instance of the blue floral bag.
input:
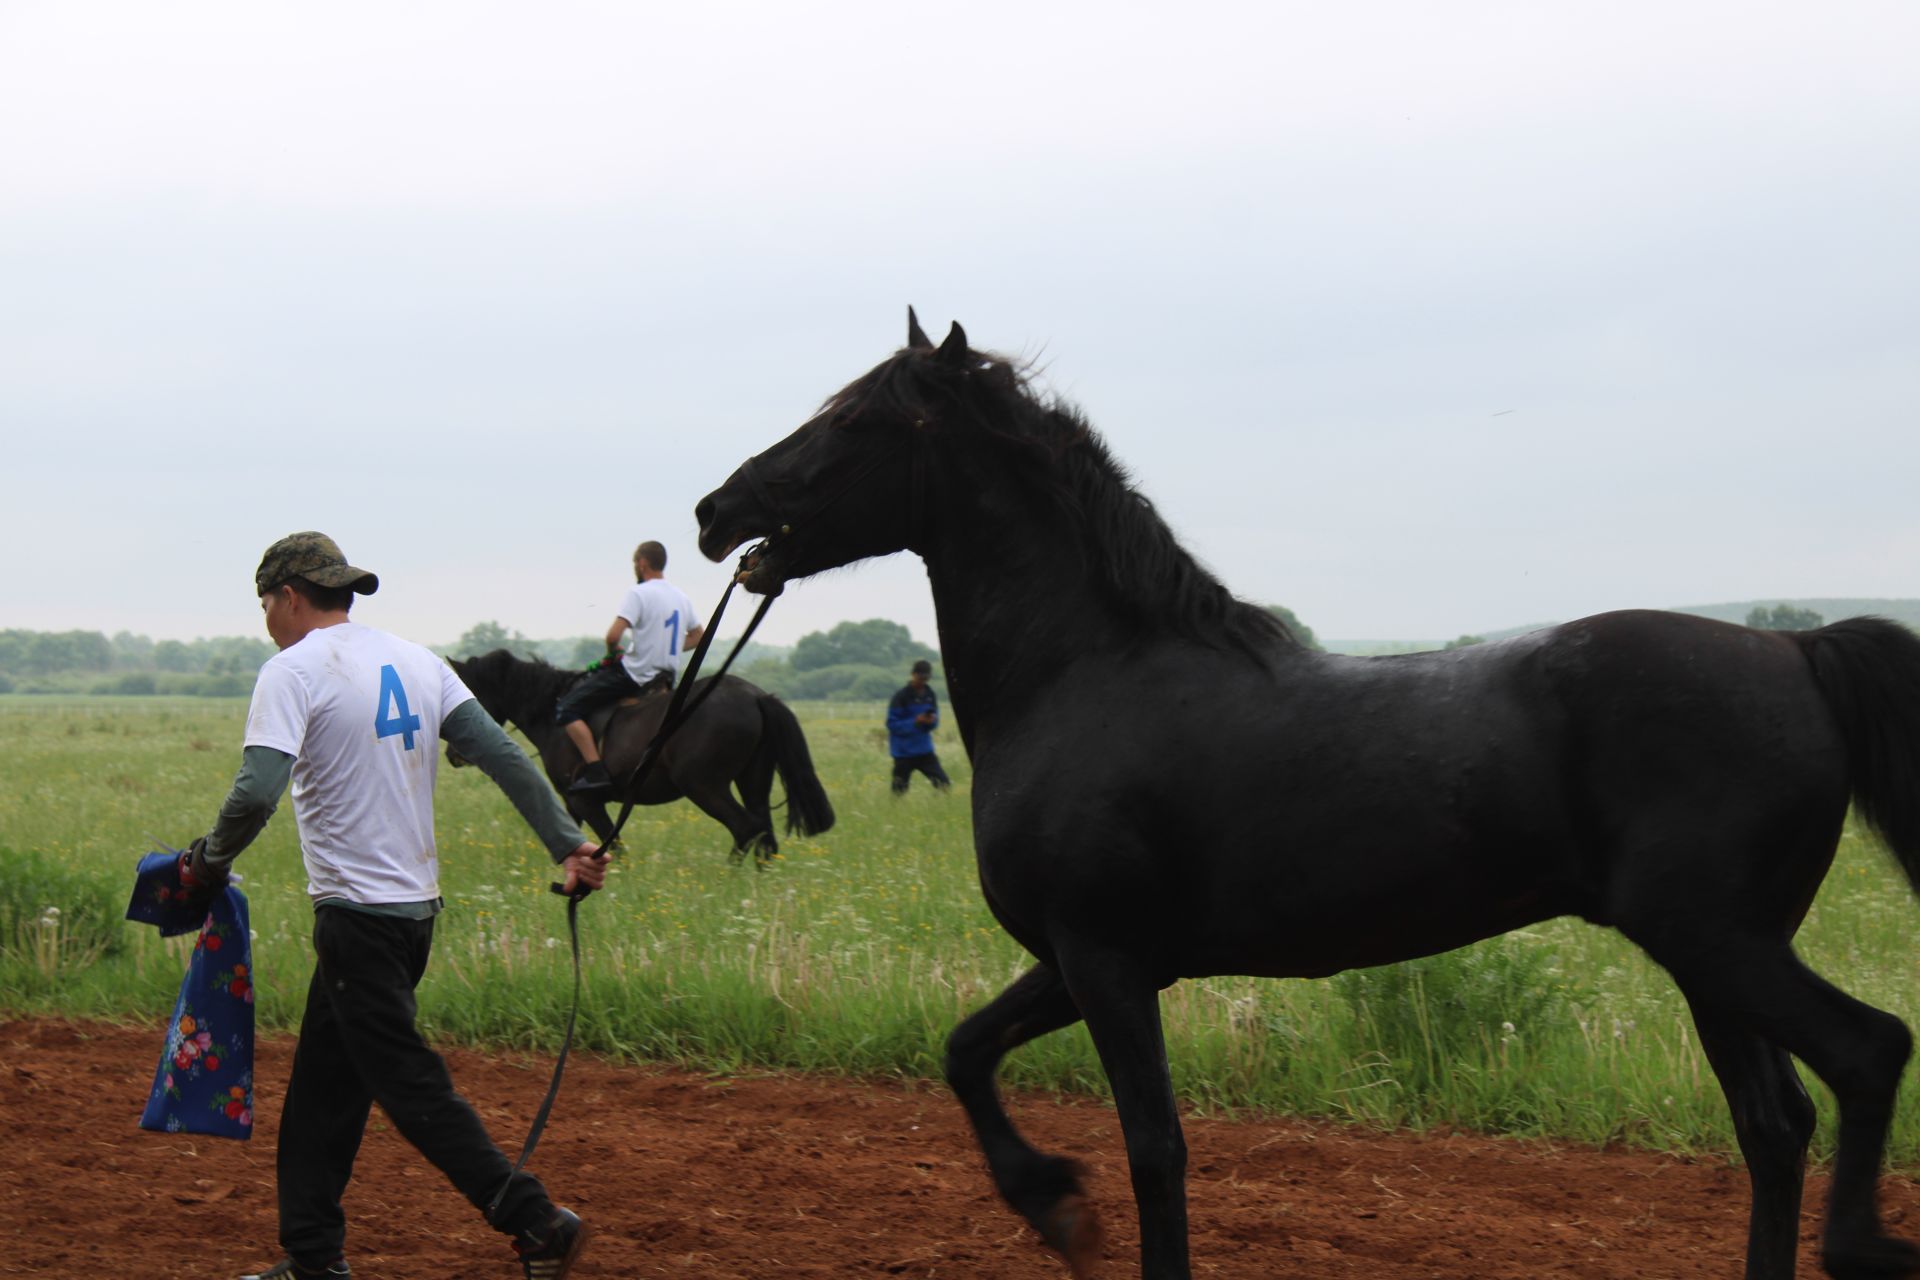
(204, 1083)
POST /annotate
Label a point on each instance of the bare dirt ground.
(784, 1176)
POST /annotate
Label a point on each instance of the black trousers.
(595, 689)
(904, 767)
(358, 1046)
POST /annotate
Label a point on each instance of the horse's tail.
(809, 812)
(1869, 670)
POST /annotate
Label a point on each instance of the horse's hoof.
(1874, 1258)
(1073, 1229)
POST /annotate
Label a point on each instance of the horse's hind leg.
(1043, 1189)
(1859, 1051)
(755, 784)
(717, 802)
(1774, 1119)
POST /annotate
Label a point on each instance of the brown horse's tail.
(809, 812)
(1869, 670)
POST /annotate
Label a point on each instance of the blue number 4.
(673, 633)
(394, 715)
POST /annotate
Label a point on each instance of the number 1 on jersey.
(673, 633)
(393, 715)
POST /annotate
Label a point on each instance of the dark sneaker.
(553, 1256)
(592, 782)
(288, 1269)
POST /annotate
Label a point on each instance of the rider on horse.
(663, 626)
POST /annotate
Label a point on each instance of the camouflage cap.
(315, 557)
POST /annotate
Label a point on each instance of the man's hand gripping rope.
(586, 870)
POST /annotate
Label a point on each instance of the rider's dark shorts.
(596, 688)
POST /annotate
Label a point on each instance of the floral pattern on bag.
(204, 1083)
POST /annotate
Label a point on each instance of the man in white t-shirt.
(658, 620)
(352, 715)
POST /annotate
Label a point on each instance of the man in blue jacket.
(912, 717)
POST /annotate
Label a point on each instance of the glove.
(612, 659)
(197, 881)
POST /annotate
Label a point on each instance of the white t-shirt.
(660, 616)
(360, 712)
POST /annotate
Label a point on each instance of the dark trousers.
(595, 689)
(358, 1046)
(904, 767)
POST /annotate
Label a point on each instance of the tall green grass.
(859, 950)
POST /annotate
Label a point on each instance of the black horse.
(1167, 785)
(739, 735)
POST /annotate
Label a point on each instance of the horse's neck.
(1014, 607)
(533, 716)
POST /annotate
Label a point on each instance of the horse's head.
(852, 481)
(488, 679)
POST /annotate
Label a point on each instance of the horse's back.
(717, 737)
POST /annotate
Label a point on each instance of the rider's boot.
(592, 782)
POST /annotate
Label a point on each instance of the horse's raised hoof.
(1072, 1228)
(1050, 1193)
(1874, 1258)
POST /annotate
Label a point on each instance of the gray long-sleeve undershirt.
(265, 772)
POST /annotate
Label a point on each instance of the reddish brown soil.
(784, 1176)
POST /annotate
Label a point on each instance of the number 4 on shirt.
(393, 714)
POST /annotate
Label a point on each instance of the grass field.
(858, 951)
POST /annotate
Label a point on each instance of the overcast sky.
(1420, 319)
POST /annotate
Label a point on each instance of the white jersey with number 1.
(360, 712)
(659, 615)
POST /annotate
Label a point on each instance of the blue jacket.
(904, 737)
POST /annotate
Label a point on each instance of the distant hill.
(1830, 608)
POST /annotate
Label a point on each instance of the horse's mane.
(1132, 555)
(516, 680)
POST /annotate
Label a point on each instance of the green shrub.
(133, 683)
(847, 682)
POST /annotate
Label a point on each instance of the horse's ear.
(916, 336)
(954, 349)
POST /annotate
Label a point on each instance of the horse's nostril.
(703, 511)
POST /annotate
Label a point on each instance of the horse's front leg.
(1045, 1190)
(1121, 1004)
(593, 814)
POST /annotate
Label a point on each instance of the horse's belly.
(1335, 891)
(1313, 938)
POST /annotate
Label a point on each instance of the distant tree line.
(853, 662)
(1785, 617)
(92, 662)
(570, 654)
(1301, 631)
